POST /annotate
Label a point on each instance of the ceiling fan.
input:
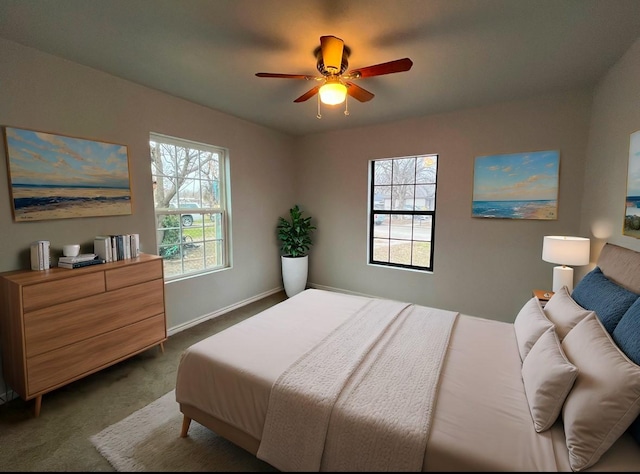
(334, 84)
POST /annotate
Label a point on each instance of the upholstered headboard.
(621, 265)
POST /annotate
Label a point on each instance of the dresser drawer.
(63, 324)
(61, 290)
(132, 274)
(59, 367)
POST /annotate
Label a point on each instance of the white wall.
(46, 93)
(616, 114)
(484, 267)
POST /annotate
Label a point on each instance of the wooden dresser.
(59, 325)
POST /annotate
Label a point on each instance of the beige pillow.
(529, 325)
(564, 312)
(605, 397)
(548, 376)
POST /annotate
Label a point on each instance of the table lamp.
(565, 251)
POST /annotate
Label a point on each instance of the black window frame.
(373, 211)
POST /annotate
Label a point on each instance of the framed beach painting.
(516, 186)
(632, 206)
(60, 177)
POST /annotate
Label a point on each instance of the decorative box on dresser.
(59, 325)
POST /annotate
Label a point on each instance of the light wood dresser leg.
(162, 347)
(186, 421)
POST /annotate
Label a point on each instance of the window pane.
(426, 197)
(426, 169)
(382, 197)
(210, 193)
(422, 228)
(400, 252)
(214, 254)
(404, 171)
(397, 203)
(381, 222)
(217, 230)
(381, 250)
(382, 172)
(401, 227)
(421, 254)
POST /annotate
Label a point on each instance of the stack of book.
(79, 261)
(40, 255)
(117, 247)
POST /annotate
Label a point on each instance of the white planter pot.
(294, 274)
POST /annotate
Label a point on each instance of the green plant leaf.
(295, 234)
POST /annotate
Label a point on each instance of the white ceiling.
(466, 53)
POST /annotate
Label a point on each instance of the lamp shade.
(333, 92)
(566, 250)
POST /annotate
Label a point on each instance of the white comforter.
(362, 399)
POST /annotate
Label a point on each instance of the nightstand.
(543, 296)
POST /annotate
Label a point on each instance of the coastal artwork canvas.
(632, 208)
(59, 177)
(517, 185)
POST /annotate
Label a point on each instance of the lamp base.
(562, 276)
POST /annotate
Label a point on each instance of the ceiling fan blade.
(358, 92)
(307, 95)
(285, 76)
(332, 49)
(399, 65)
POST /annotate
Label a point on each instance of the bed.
(326, 381)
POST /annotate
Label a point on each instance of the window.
(190, 198)
(402, 211)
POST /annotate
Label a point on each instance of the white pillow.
(529, 325)
(564, 312)
(548, 376)
(605, 397)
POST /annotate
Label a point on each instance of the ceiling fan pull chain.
(346, 105)
(319, 116)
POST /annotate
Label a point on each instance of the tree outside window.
(189, 186)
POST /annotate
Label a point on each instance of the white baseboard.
(194, 322)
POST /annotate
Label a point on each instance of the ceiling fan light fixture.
(334, 84)
(333, 92)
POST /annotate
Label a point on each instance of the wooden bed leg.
(186, 421)
(38, 405)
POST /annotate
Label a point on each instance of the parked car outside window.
(187, 219)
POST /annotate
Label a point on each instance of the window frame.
(412, 214)
(219, 213)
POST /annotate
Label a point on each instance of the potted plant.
(295, 242)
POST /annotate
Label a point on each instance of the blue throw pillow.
(609, 300)
(627, 333)
(627, 336)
